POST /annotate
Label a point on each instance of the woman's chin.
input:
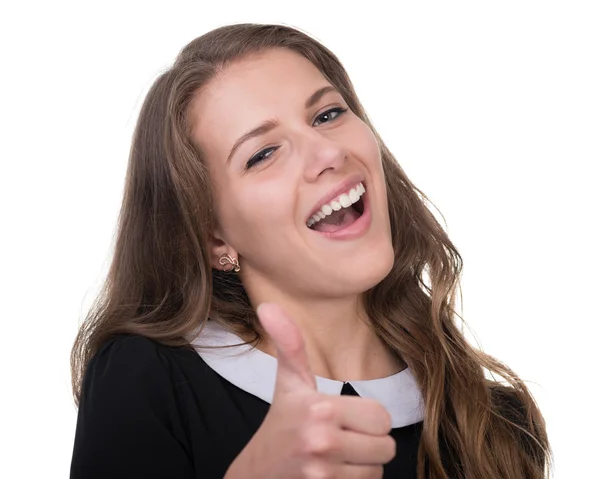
(376, 271)
(355, 275)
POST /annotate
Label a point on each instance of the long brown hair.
(161, 284)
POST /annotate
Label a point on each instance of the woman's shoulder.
(126, 354)
(136, 349)
(135, 364)
(131, 404)
(129, 348)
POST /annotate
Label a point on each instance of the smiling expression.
(282, 146)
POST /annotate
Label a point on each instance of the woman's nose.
(321, 154)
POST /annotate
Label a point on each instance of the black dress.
(152, 411)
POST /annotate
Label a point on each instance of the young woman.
(281, 300)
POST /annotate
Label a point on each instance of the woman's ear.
(217, 249)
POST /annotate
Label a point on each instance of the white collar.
(255, 371)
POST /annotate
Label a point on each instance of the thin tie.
(348, 390)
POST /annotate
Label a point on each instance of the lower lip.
(356, 229)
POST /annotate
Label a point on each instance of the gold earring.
(226, 259)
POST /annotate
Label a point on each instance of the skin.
(261, 211)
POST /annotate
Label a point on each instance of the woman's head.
(254, 199)
(187, 202)
(310, 150)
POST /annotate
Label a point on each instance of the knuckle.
(320, 443)
(295, 348)
(322, 410)
(380, 416)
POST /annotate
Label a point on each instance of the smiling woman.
(281, 300)
(296, 146)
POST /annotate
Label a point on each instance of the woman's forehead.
(261, 80)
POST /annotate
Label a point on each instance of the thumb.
(293, 369)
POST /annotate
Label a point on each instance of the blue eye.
(338, 110)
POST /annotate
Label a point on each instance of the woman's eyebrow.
(316, 96)
(269, 125)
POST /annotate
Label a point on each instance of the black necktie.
(348, 390)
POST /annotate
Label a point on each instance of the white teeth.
(343, 201)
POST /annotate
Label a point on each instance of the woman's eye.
(337, 111)
(260, 156)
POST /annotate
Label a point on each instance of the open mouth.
(340, 213)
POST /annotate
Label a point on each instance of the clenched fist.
(307, 434)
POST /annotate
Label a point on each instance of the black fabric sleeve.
(129, 422)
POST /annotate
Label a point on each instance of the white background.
(492, 108)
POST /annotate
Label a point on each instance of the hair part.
(161, 284)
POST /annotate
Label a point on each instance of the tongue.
(337, 220)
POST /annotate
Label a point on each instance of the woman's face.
(306, 152)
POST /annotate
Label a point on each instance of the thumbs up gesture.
(307, 434)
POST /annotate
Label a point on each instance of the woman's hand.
(307, 434)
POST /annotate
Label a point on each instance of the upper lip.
(336, 191)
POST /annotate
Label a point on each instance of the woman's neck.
(339, 341)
